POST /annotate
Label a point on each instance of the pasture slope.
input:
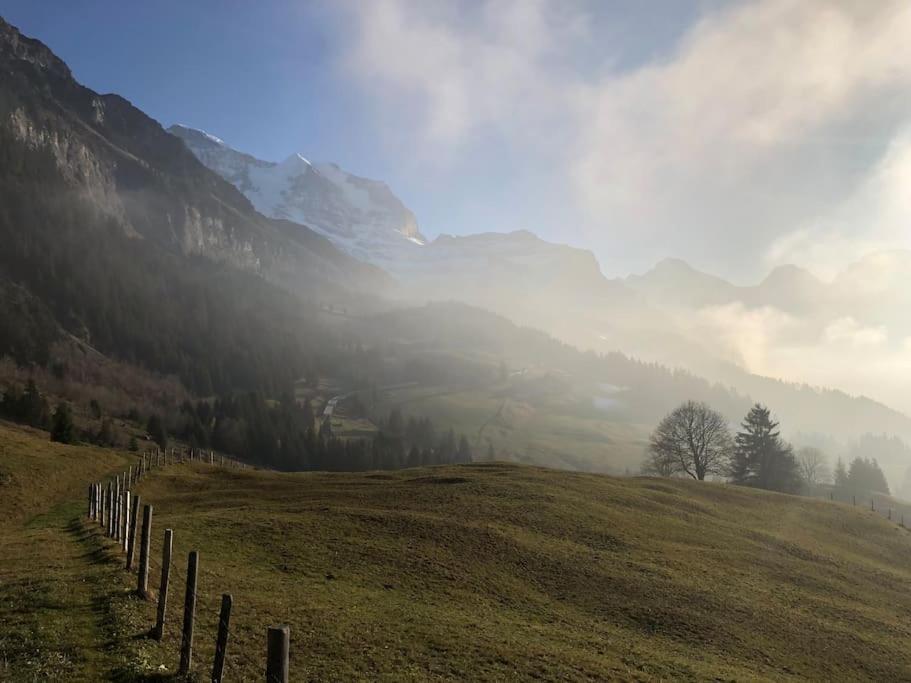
(475, 572)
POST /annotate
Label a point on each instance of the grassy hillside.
(493, 571)
(484, 571)
(556, 431)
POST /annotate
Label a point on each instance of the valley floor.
(474, 572)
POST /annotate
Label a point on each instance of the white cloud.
(762, 116)
(847, 331)
(875, 216)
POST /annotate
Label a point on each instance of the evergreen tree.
(841, 475)
(105, 435)
(156, 430)
(62, 428)
(865, 477)
(463, 455)
(761, 457)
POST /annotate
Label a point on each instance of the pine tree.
(62, 428)
(156, 430)
(841, 475)
(463, 455)
(761, 457)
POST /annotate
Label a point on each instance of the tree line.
(695, 441)
(288, 435)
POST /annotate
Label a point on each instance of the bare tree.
(692, 440)
(814, 467)
(659, 465)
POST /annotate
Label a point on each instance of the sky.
(735, 135)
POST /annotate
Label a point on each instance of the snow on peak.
(296, 160)
(187, 131)
(360, 215)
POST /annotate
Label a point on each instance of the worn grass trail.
(60, 583)
(55, 585)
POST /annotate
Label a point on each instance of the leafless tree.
(692, 440)
(814, 467)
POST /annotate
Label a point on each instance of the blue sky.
(265, 77)
(736, 135)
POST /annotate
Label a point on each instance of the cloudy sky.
(735, 135)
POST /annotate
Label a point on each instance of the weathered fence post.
(142, 586)
(890, 514)
(110, 509)
(126, 520)
(854, 501)
(189, 615)
(131, 541)
(221, 644)
(100, 504)
(872, 505)
(277, 647)
(158, 631)
(117, 503)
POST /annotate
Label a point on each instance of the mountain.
(115, 235)
(361, 216)
(674, 314)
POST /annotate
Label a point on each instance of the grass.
(486, 571)
(502, 571)
(551, 434)
(57, 592)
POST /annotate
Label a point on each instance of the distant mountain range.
(117, 237)
(672, 314)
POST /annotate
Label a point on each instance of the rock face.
(361, 216)
(145, 181)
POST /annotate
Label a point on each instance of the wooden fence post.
(277, 646)
(125, 536)
(110, 509)
(221, 644)
(158, 632)
(117, 503)
(872, 505)
(131, 541)
(142, 587)
(189, 615)
(100, 504)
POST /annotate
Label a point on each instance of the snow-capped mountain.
(360, 215)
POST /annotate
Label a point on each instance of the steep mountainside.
(359, 215)
(114, 233)
(142, 179)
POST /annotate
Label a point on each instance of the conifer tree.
(761, 457)
(62, 428)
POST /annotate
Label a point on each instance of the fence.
(115, 507)
(885, 506)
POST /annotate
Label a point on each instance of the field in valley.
(484, 571)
